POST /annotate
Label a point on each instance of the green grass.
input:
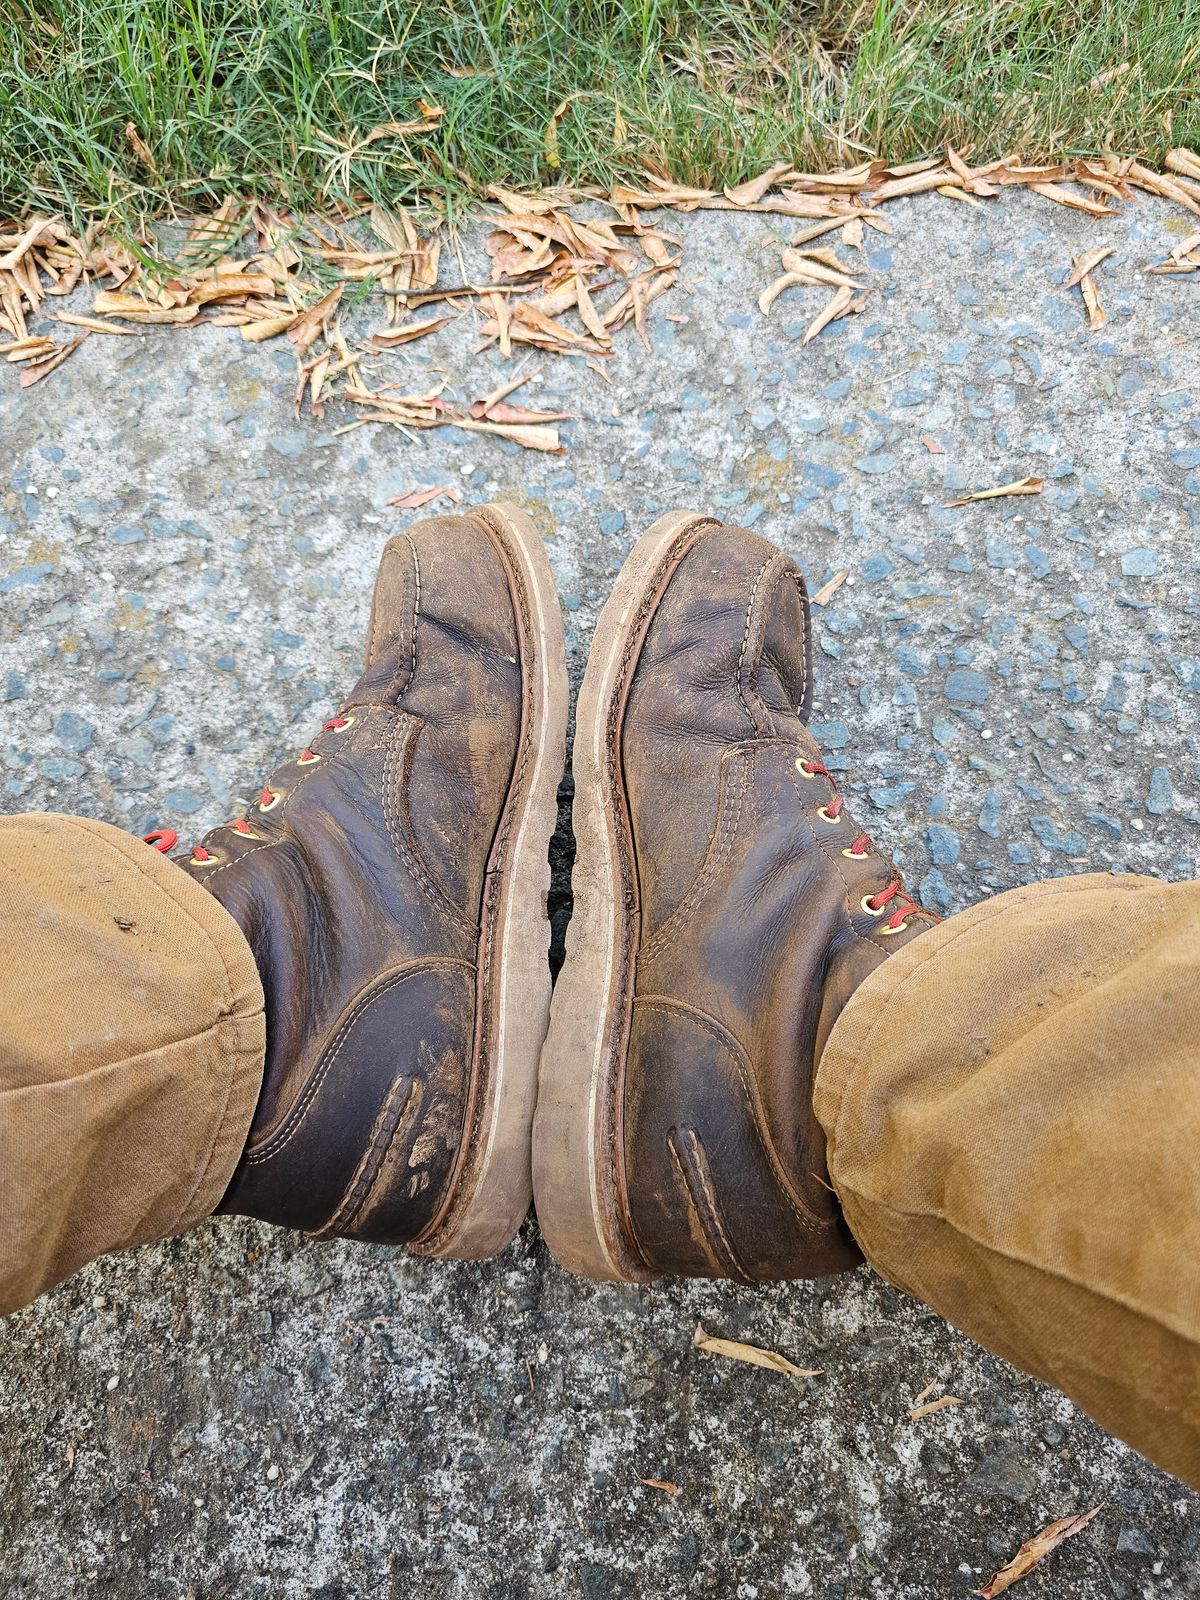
(276, 97)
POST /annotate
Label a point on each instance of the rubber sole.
(576, 1136)
(490, 1194)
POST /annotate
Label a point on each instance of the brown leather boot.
(726, 908)
(391, 881)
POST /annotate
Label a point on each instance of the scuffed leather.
(752, 936)
(360, 894)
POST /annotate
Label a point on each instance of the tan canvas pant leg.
(1012, 1104)
(131, 1048)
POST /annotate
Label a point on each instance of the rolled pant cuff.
(132, 1049)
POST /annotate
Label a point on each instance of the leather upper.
(360, 886)
(752, 931)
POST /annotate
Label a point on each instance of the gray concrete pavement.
(1006, 691)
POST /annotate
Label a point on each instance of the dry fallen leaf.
(1185, 161)
(750, 1353)
(1020, 486)
(528, 436)
(1088, 262)
(749, 194)
(414, 499)
(42, 369)
(408, 331)
(931, 1406)
(827, 590)
(140, 148)
(788, 280)
(1065, 197)
(1091, 299)
(660, 1483)
(76, 319)
(267, 327)
(1034, 1550)
(837, 305)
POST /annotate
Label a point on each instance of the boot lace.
(164, 840)
(895, 894)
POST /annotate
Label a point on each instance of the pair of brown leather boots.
(420, 1083)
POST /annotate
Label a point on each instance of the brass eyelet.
(309, 758)
(872, 911)
(856, 855)
(211, 860)
(802, 768)
(825, 817)
(270, 805)
(900, 928)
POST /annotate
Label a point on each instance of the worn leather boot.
(391, 882)
(726, 908)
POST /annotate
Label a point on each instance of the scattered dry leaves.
(1035, 1550)
(559, 283)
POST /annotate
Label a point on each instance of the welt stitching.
(299, 1111)
(768, 1149)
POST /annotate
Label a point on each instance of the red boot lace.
(164, 840)
(905, 905)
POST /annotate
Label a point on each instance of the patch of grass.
(281, 97)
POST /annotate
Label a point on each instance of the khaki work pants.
(1012, 1104)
